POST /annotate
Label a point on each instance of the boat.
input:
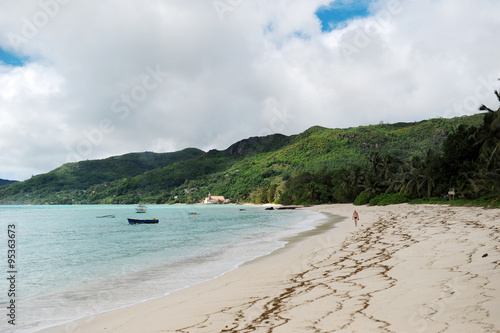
(193, 213)
(139, 221)
(141, 208)
(104, 216)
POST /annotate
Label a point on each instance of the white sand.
(404, 269)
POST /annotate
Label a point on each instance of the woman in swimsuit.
(355, 217)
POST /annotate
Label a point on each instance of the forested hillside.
(466, 166)
(4, 182)
(310, 167)
(73, 178)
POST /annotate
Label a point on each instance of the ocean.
(61, 263)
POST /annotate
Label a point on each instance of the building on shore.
(214, 199)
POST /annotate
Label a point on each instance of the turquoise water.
(70, 264)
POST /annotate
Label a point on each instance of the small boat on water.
(141, 209)
(106, 216)
(138, 221)
(193, 213)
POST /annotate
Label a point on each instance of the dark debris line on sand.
(337, 280)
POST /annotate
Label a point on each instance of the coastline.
(404, 269)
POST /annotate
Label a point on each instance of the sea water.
(70, 264)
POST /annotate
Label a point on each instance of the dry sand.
(406, 268)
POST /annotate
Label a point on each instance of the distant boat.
(137, 221)
(104, 216)
(193, 213)
(141, 209)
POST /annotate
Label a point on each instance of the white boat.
(141, 208)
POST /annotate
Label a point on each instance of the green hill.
(237, 172)
(61, 184)
(4, 182)
(320, 149)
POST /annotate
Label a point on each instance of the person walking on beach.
(355, 217)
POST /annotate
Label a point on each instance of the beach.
(405, 268)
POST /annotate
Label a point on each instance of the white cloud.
(228, 79)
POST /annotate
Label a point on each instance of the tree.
(311, 190)
(488, 136)
(352, 180)
(271, 193)
(413, 176)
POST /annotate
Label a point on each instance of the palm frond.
(485, 108)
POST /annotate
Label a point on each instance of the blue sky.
(11, 59)
(341, 11)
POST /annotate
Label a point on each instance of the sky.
(91, 79)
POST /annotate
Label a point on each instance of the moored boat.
(105, 216)
(146, 221)
(141, 208)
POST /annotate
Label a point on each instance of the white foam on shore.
(138, 286)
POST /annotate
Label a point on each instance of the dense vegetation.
(377, 164)
(4, 182)
(73, 180)
(467, 164)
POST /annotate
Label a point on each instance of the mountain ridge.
(234, 172)
(4, 182)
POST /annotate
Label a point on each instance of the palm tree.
(413, 176)
(376, 164)
(352, 182)
(483, 182)
(488, 136)
(374, 185)
(311, 191)
(397, 179)
(427, 183)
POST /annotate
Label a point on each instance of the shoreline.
(330, 220)
(405, 268)
(310, 222)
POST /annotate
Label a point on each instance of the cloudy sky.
(90, 79)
